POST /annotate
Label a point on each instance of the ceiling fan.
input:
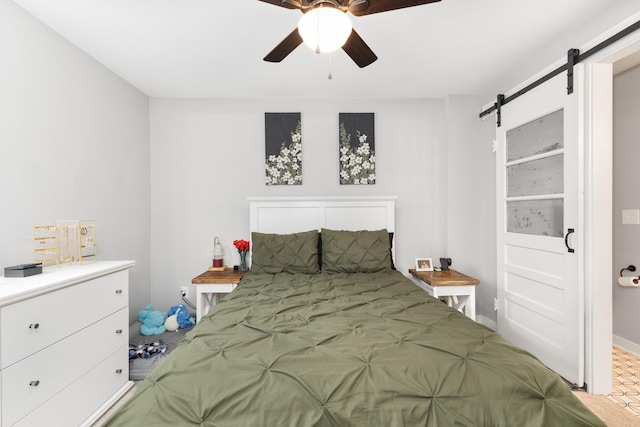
(310, 26)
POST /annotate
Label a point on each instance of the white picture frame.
(424, 264)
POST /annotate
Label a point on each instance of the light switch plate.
(631, 216)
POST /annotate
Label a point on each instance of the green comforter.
(347, 350)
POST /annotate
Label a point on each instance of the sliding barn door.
(540, 287)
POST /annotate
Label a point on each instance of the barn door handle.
(566, 240)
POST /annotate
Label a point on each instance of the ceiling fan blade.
(285, 47)
(368, 7)
(289, 4)
(358, 50)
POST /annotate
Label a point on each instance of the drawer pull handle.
(34, 326)
(118, 371)
(118, 291)
(118, 331)
(34, 383)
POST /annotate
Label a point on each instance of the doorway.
(626, 187)
(600, 271)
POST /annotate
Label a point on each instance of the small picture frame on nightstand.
(424, 264)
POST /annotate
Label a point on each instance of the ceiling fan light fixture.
(324, 29)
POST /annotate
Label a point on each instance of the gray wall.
(74, 144)
(207, 157)
(471, 195)
(626, 195)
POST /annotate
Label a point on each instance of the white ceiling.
(214, 48)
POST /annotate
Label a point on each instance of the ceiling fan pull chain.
(330, 66)
(318, 33)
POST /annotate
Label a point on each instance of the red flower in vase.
(243, 248)
(241, 245)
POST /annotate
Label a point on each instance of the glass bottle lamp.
(218, 253)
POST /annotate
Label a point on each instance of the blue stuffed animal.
(152, 321)
(178, 317)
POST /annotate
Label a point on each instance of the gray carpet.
(140, 368)
(172, 339)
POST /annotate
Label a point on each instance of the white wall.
(207, 157)
(533, 59)
(74, 144)
(626, 195)
(470, 215)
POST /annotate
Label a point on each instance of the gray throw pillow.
(360, 251)
(290, 253)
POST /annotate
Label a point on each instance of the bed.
(323, 331)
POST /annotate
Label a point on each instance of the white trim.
(626, 345)
(483, 320)
(598, 160)
(108, 404)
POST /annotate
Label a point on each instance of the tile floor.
(626, 380)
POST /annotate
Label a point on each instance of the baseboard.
(108, 404)
(486, 322)
(627, 345)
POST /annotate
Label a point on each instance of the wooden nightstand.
(457, 289)
(210, 284)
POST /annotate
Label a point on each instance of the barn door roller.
(573, 56)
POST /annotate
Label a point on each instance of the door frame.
(599, 219)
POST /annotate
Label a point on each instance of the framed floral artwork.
(283, 148)
(357, 149)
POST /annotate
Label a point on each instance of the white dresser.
(64, 344)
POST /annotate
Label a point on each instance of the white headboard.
(285, 215)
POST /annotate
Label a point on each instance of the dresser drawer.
(31, 325)
(29, 383)
(75, 404)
